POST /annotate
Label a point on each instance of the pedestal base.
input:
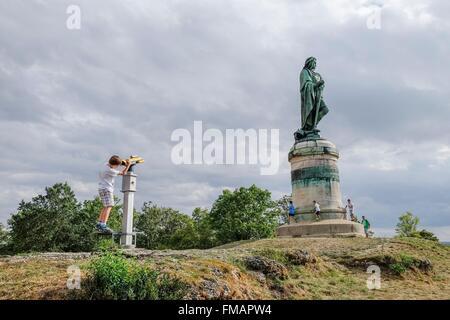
(315, 177)
(322, 228)
(311, 217)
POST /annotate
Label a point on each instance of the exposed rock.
(48, 256)
(211, 289)
(300, 257)
(259, 276)
(270, 268)
(217, 272)
(425, 265)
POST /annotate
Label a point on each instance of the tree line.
(57, 221)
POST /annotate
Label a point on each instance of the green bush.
(106, 245)
(425, 234)
(403, 264)
(114, 277)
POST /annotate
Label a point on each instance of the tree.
(165, 228)
(424, 234)
(407, 225)
(56, 221)
(283, 205)
(44, 223)
(206, 235)
(4, 239)
(245, 213)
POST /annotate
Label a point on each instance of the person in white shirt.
(349, 208)
(316, 209)
(106, 189)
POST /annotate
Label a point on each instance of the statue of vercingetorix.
(313, 108)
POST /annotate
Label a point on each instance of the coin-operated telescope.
(134, 160)
(129, 188)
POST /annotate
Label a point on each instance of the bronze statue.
(313, 108)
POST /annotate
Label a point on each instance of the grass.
(339, 271)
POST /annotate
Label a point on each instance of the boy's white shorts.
(106, 197)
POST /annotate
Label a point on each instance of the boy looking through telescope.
(106, 189)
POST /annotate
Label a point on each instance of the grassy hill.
(321, 268)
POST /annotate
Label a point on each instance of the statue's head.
(310, 63)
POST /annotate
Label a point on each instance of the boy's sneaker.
(101, 227)
(107, 230)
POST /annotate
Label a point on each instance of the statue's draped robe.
(309, 94)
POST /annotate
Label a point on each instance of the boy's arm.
(126, 168)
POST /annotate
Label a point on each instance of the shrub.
(113, 276)
(425, 234)
(403, 264)
(106, 245)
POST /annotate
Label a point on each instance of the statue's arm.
(320, 84)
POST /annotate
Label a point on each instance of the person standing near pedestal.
(366, 225)
(349, 208)
(106, 189)
(316, 209)
(291, 213)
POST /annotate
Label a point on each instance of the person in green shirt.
(366, 226)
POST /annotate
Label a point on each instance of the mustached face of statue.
(312, 105)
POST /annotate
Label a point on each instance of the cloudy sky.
(137, 70)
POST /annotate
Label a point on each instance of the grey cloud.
(138, 70)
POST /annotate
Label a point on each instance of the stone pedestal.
(315, 176)
(324, 228)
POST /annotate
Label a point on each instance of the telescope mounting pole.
(128, 189)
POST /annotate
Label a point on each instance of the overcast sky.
(138, 70)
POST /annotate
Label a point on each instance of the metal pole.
(128, 189)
